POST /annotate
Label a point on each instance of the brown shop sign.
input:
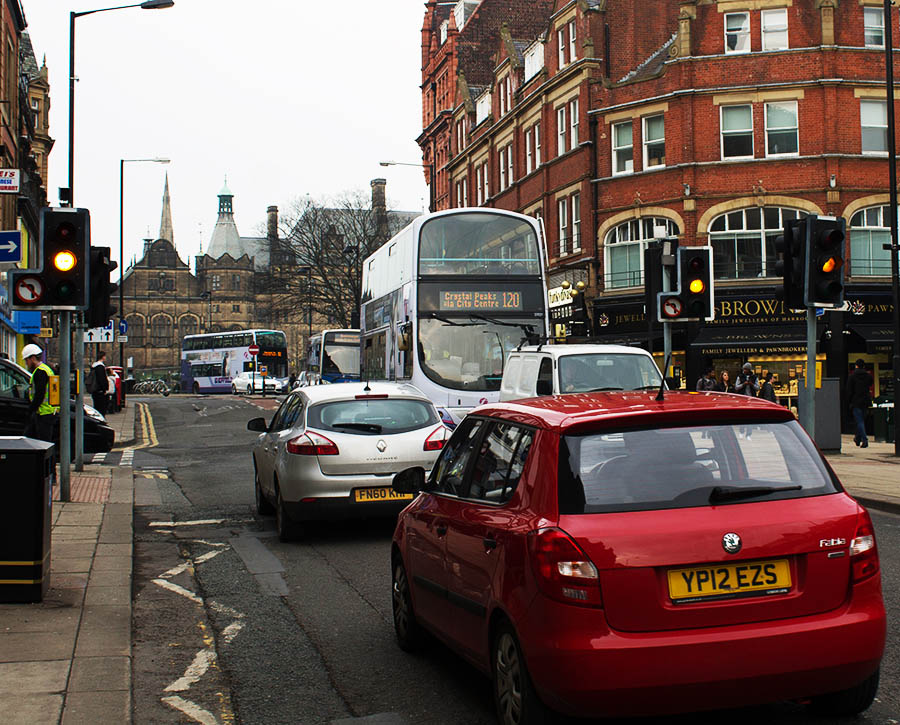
(754, 311)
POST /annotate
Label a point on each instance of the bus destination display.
(480, 300)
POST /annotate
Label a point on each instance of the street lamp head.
(161, 161)
(157, 4)
(385, 163)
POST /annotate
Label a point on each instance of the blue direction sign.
(123, 327)
(10, 246)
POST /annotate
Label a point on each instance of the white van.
(555, 369)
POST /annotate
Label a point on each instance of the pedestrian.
(858, 385)
(767, 390)
(112, 398)
(41, 415)
(724, 385)
(747, 383)
(98, 384)
(707, 381)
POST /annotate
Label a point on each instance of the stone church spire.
(165, 224)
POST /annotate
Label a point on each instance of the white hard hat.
(30, 350)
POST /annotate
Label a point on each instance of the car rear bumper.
(581, 667)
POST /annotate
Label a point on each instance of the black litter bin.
(26, 468)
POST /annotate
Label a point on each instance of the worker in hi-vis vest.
(41, 415)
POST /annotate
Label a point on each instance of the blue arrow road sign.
(123, 327)
(10, 246)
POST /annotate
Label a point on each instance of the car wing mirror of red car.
(410, 480)
(258, 424)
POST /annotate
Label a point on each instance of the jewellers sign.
(557, 296)
(9, 181)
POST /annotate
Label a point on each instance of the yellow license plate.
(728, 581)
(371, 495)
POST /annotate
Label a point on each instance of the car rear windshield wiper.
(721, 493)
(365, 427)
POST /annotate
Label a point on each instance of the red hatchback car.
(611, 554)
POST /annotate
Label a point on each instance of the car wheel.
(233, 389)
(851, 701)
(263, 505)
(410, 636)
(287, 529)
(516, 701)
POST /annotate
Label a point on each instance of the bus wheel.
(196, 388)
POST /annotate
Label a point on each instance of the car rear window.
(607, 371)
(661, 468)
(376, 416)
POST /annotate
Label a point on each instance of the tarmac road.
(230, 625)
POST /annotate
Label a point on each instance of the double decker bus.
(332, 356)
(211, 360)
(447, 298)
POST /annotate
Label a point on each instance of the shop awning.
(878, 338)
(752, 340)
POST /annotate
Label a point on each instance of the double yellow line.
(148, 432)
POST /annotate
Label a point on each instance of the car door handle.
(490, 543)
(441, 529)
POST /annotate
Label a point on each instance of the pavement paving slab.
(31, 709)
(99, 674)
(33, 677)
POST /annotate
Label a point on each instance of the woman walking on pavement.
(858, 385)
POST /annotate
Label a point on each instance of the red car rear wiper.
(721, 493)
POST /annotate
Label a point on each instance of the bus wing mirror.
(258, 425)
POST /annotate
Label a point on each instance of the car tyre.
(264, 507)
(287, 529)
(515, 698)
(409, 632)
(233, 389)
(851, 701)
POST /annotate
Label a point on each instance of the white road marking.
(200, 522)
(98, 457)
(186, 593)
(192, 710)
(231, 631)
(202, 660)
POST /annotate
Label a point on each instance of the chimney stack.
(272, 222)
(379, 204)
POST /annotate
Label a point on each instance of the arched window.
(135, 330)
(743, 241)
(624, 249)
(161, 331)
(870, 229)
(188, 325)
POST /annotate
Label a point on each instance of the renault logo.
(381, 446)
(731, 543)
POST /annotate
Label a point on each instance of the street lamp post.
(430, 168)
(122, 163)
(894, 247)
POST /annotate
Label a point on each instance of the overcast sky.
(286, 97)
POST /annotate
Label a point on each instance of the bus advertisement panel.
(446, 299)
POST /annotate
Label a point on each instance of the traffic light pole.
(894, 246)
(809, 410)
(79, 391)
(65, 365)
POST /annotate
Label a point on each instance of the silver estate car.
(331, 451)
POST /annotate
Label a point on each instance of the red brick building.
(713, 120)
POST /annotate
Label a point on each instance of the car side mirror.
(673, 383)
(410, 480)
(544, 387)
(258, 424)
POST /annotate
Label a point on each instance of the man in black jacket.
(99, 383)
(858, 385)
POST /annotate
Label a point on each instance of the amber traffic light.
(824, 285)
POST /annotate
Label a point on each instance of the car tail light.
(863, 550)
(312, 444)
(372, 396)
(436, 439)
(563, 571)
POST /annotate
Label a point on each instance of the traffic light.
(792, 245)
(62, 281)
(695, 282)
(824, 279)
(100, 311)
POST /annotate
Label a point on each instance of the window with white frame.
(444, 27)
(737, 32)
(781, 128)
(460, 135)
(505, 161)
(561, 130)
(869, 232)
(529, 150)
(482, 107)
(873, 27)
(485, 181)
(575, 208)
(573, 123)
(479, 189)
(462, 192)
(873, 123)
(775, 29)
(561, 46)
(537, 144)
(573, 55)
(654, 142)
(505, 94)
(510, 161)
(623, 249)
(743, 241)
(622, 140)
(562, 216)
(737, 132)
(534, 59)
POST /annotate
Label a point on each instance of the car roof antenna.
(662, 384)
